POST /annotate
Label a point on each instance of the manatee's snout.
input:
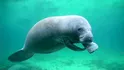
(87, 41)
(86, 38)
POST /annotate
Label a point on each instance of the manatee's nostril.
(88, 39)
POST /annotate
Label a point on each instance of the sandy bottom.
(69, 61)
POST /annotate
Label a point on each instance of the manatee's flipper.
(72, 46)
(20, 55)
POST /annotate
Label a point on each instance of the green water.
(106, 18)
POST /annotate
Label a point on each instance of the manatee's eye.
(80, 29)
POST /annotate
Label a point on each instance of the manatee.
(53, 33)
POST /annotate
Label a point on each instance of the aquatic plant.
(67, 62)
(5, 66)
(21, 66)
(115, 66)
(97, 63)
(101, 64)
(25, 66)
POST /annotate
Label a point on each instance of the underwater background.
(105, 16)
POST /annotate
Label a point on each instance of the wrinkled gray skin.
(52, 33)
(48, 35)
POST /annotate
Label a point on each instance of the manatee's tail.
(20, 55)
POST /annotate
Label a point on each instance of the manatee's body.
(51, 34)
(47, 35)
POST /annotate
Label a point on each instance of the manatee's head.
(84, 32)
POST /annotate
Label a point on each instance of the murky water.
(106, 18)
